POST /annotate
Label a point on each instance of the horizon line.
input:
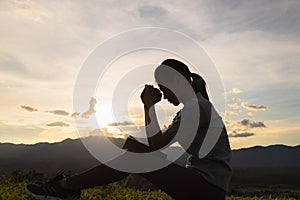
(242, 148)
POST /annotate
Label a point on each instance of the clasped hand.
(150, 95)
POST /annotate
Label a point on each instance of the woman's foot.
(52, 190)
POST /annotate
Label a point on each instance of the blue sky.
(254, 45)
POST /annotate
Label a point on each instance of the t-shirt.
(213, 162)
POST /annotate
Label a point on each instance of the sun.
(104, 114)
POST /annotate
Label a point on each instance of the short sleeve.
(174, 126)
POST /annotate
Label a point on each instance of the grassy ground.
(15, 190)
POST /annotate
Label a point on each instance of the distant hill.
(276, 164)
(271, 165)
(276, 156)
(45, 157)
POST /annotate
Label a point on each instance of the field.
(134, 187)
(11, 190)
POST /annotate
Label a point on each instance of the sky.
(254, 46)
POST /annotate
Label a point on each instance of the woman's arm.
(150, 96)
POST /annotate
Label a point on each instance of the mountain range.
(275, 164)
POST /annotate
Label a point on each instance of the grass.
(10, 190)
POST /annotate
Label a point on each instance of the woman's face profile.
(174, 86)
(169, 95)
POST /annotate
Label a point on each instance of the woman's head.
(162, 75)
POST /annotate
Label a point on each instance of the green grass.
(10, 190)
(116, 192)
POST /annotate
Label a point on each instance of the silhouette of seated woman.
(201, 177)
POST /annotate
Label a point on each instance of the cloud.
(12, 64)
(244, 126)
(75, 114)
(123, 123)
(28, 10)
(245, 134)
(58, 123)
(234, 106)
(106, 132)
(229, 112)
(91, 109)
(58, 112)
(236, 99)
(29, 108)
(99, 131)
(249, 113)
(235, 91)
(253, 107)
(148, 11)
(159, 15)
(252, 124)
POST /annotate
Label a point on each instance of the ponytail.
(199, 85)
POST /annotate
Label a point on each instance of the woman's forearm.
(152, 127)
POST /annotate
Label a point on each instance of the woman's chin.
(175, 103)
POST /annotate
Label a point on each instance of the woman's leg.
(177, 181)
(184, 183)
(98, 175)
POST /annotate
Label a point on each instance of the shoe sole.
(44, 197)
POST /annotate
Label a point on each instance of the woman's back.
(215, 165)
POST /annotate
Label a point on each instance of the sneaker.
(51, 190)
